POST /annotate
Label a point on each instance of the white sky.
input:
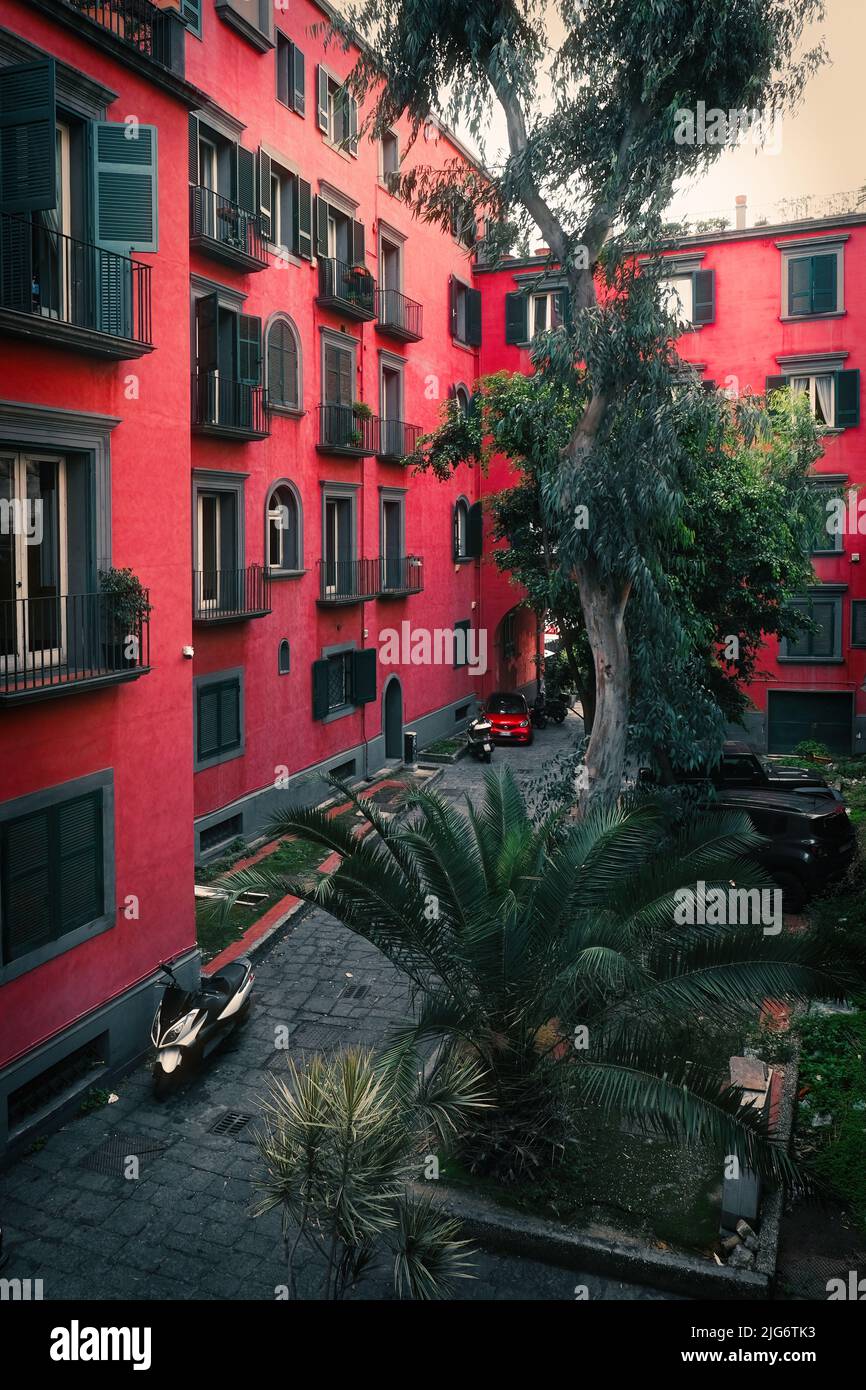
(821, 145)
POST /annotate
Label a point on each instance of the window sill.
(34, 959)
(218, 758)
(338, 149)
(243, 26)
(465, 347)
(282, 253)
(465, 559)
(811, 660)
(286, 574)
(292, 412)
(333, 715)
(811, 318)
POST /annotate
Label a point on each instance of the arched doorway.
(392, 718)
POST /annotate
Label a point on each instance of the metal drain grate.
(231, 1123)
(113, 1154)
(317, 1038)
(354, 991)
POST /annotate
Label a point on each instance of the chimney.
(740, 209)
(542, 251)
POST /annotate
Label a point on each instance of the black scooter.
(188, 1025)
(479, 736)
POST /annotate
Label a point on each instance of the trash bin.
(410, 747)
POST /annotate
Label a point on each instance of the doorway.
(392, 718)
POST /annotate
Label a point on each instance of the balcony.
(398, 316)
(348, 581)
(397, 440)
(400, 575)
(69, 644)
(72, 294)
(148, 36)
(230, 596)
(225, 231)
(228, 409)
(349, 290)
(344, 430)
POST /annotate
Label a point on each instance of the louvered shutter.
(79, 861)
(265, 209)
(246, 179)
(364, 676)
(321, 683)
(26, 882)
(229, 715)
(824, 641)
(704, 296)
(298, 80)
(28, 119)
(358, 244)
(193, 149)
(322, 98)
(206, 317)
(474, 531)
(125, 187)
(250, 349)
(823, 284)
(352, 123)
(452, 304)
(858, 623)
(302, 211)
(16, 265)
(516, 317)
(847, 399)
(321, 227)
(800, 285)
(473, 318)
(208, 722)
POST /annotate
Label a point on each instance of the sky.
(821, 149)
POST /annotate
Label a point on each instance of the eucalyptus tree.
(592, 93)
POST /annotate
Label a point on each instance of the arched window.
(284, 364)
(284, 660)
(462, 397)
(284, 522)
(461, 529)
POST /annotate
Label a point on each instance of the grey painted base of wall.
(125, 1021)
(308, 788)
(755, 732)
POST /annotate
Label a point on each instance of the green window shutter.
(246, 179)
(302, 212)
(704, 296)
(847, 399)
(264, 182)
(473, 318)
(775, 383)
(800, 285)
(218, 718)
(824, 641)
(193, 149)
(28, 118)
(321, 98)
(282, 66)
(858, 623)
(352, 123)
(364, 676)
(320, 689)
(79, 861)
(358, 244)
(125, 187)
(321, 227)
(16, 265)
(298, 80)
(824, 284)
(516, 317)
(475, 531)
(229, 715)
(453, 292)
(206, 317)
(461, 644)
(250, 349)
(191, 12)
(208, 722)
(25, 856)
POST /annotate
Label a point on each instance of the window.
(392, 442)
(465, 313)
(461, 528)
(190, 11)
(284, 664)
(227, 365)
(858, 623)
(343, 680)
(51, 873)
(530, 313)
(338, 545)
(218, 571)
(690, 297)
(827, 538)
(463, 398)
(461, 643)
(825, 644)
(283, 546)
(252, 18)
(392, 545)
(834, 396)
(390, 154)
(219, 719)
(812, 284)
(340, 680)
(34, 561)
(509, 636)
(463, 223)
(821, 393)
(284, 389)
(336, 111)
(291, 82)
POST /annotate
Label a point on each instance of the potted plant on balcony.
(360, 412)
(121, 616)
(359, 286)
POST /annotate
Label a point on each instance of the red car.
(510, 718)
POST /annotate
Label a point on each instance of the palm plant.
(339, 1152)
(523, 935)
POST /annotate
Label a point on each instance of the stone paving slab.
(184, 1228)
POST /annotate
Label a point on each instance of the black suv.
(740, 767)
(810, 839)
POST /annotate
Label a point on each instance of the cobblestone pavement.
(184, 1229)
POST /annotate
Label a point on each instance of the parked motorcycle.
(539, 713)
(188, 1025)
(555, 709)
(479, 736)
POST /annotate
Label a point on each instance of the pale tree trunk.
(604, 614)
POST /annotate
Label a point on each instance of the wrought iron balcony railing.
(399, 316)
(230, 596)
(231, 409)
(70, 642)
(348, 581)
(345, 430)
(154, 33)
(350, 289)
(225, 230)
(57, 287)
(397, 439)
(401, 574)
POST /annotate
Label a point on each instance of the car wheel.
(794, 895)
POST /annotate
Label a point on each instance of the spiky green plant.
(517, 932)
(340, 1146)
